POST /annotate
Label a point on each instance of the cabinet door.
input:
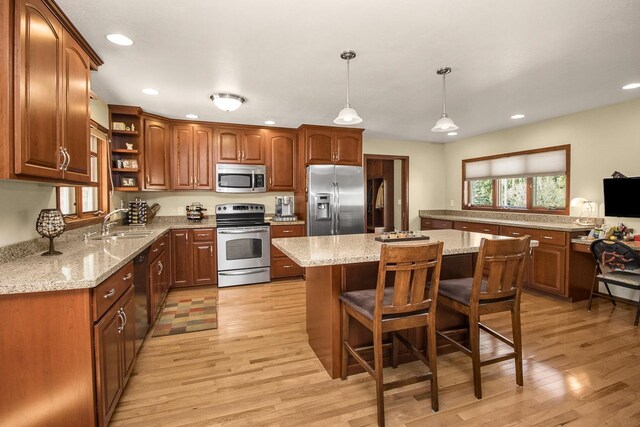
(156, 155)
(203, 164)
(38, 98)
(182, 174)
(154, 285)
(109, 362)
(348, 148)
(129, 332)
(547, 269)
(204, 263)
(75, 126)
(163, 285)
(281, 161)
(180, 258)
(319, 147)
(229, 145)
(253, 147)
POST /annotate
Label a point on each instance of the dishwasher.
(141, 283)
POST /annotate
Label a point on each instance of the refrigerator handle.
(333, 208)
(337, 208)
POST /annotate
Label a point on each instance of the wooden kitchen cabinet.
(241, 146)
(348, 148)
(547, 269)
(193, 257)
(325, 145)
(281, 265)
(435, 224)
(319, 147)
(476, 227)
(192, 160)
(156, 155)
(51, 103)
(281, 160)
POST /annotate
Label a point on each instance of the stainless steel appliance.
(141, 283)
(336, 200)
(284, 209)
(243, 244)
(234, 178)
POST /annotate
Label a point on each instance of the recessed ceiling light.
(631, 86)
(119, 39)
(149, 91)
(269, 122)
(191, 116)
(517, 116)
(227, 101)
(452, 133)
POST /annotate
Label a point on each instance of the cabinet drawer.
(425, 224)
(108, 292)
(158, 246)
(441, 224)
(516, 231)
(203, 234)
(476, 227)
(550, 237)
(284, 267)
(287, 231)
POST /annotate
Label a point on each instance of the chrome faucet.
(106, 224)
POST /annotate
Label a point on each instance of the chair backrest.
(411, 265)
(501, 266)
(611, 256)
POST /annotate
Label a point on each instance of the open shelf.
(124, 151)
(124, 132)
(126, 189)
(124, 170)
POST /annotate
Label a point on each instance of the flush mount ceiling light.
(227, 101)
(191, 116)
(348, 115)
(150, 91)
(119, 39)
(631, 86)
(517, 116)
(444, 124)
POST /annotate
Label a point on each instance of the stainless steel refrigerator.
(336, 200)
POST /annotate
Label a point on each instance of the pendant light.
(348, 115)
(444, 124)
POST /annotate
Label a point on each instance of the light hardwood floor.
(580, 369)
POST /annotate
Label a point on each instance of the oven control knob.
(225, 208)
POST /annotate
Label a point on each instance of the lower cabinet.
(193, 257)
(547, 269)
(115, 351)
(158, 283)
(282, 266)
(435, 224)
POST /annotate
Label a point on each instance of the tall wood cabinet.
(237, 145)
(51, 79)
(192, 159)
(157, 139)
(281, 160)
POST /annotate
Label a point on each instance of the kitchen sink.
(123, 235)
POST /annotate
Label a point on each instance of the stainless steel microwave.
(233, 178)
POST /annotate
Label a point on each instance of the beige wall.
(426, 171)
(19, 209)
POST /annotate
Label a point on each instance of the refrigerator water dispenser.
(323, 207)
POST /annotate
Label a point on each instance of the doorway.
(386, 192)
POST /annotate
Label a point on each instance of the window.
(528, 181)
(87, 204)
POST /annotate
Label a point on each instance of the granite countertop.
(528, 224)
(354, 248)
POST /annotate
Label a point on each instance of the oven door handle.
(241, 273)
(241, 231)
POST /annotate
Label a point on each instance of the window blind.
(535, 164)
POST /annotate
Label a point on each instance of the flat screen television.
(622, 197)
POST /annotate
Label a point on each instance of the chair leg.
(377, 355)
(433, 365)
(517, 343)
(345, 338)
(474, 342)
(637, 313)
(395, 350)
(594, 284)
(606, 285)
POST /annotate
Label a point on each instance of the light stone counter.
(527, 224)
(355, 248)
(81, 265)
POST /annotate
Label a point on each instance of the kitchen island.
(336, 264)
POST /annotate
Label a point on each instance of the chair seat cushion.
(627, 279)
(364, 301)
(460, 290)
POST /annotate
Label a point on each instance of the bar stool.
(495, 287)
(405, 305)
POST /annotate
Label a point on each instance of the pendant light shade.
(348, 115)
(444, 124)
(227, 101)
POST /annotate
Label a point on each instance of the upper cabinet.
(281, 160)
(332, 146)
(192, 167)
(241, 146)
(156, 155)
(51, 79)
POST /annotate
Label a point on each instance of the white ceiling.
(542, 58)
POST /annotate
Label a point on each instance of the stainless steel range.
(243, 238)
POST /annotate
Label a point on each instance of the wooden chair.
(407, 304)
(495, 287)
(616, 264)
